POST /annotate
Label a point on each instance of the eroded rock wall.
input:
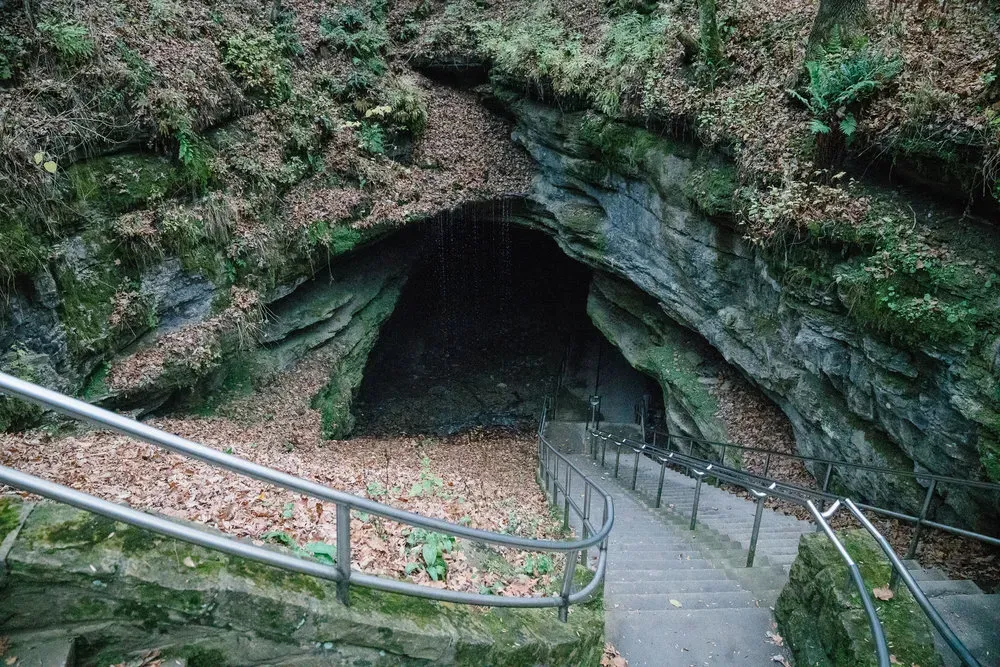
(848, 395)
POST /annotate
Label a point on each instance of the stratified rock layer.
(848, 395)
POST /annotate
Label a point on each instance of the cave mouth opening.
(491, 314)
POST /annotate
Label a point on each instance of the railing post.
(555, 482)
(654, 435)
(618, 457)
(912, 550)
(344, 553)
(595, 403)
(758, 513)
(604, 448)
(567, 585)
(659, 487)
(767, 464)
(635, 468)
(566, 492)
(826, 485)
(723, 453)
(697, 496)
(585, 519)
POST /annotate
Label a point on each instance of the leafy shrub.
(258, 62)
(196, 156)
(537, 564)
(354, 32)
(634, 46)
(408, 107)
(839, 84)
(283, 22)
(429, 483)
(371, 137)
(429, 548)
(70, 40)
(539, 50)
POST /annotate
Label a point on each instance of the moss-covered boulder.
(119, 590)
(820, 613)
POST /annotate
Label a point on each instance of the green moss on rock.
(10, 515)
(820, 613)
(124, 589)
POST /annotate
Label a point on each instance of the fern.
(840, 84)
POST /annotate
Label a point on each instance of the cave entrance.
(493, 319)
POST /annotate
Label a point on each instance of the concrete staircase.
(674, 596)
(971, 613)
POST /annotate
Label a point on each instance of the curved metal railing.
(761, 487)
(341, 572)
(921, 520)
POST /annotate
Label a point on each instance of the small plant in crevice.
(427, 549)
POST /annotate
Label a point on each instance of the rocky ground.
(483, 478)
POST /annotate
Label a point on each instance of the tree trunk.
(845, 17)
(711, 42)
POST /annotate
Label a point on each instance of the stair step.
(660, 602)
(671, 574)
(696, 563)
(671, 587)
(939, 588)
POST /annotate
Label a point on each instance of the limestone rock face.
(823, 619)
(847, 394)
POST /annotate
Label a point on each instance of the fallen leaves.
(775, 638)
(676, 603)
(612, 658)
(487, 481)
(883, 593)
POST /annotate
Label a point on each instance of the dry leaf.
(11, 660)
(189, 562)
(893, 660)
(39, 156)
(50, 166)
(676, 603)
(781, 659)
(775, 638)
(883, 593)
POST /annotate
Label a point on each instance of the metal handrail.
(944, 479)
(920, 520)
(878, 634)
(345, 502)
(761, 487)
(899, 570)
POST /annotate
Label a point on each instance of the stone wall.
(118, 591)
(847, 394)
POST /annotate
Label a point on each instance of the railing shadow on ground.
(814, 501)
(595, 536)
